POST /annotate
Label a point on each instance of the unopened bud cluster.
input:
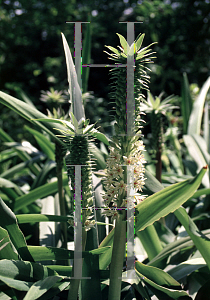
(79, 155)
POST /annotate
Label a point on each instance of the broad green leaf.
(31, 218)
(201, 241)
(7, 154)
(194, 126)
(187, 267)
(40, 253)
(177, 245)
(31, 114)
(158, 276)
(113, 50)
(100, 250)
(74, 89)
(149, 237)
(56, 289)
(9, 222)
(100, 136)
(61, 270)
(19, 285)
(166, 201)
(3, 296)
(151, 183)
(139, 42)
(41, 287)
(198, 154)
(23, 155)
(38, 193)
(6, 251)
(47, 169)
(21, 168)
(9, 184)
(175, 161)
(59, 121)
(173, 294)
(123, 43)
(24, 270)
(201, 192)
(202, 146)
(105, 259)
(46, 146)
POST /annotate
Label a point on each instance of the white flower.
(115, 185)
(89, 224)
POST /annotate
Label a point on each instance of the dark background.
(32, 56)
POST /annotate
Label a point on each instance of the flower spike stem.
(118, 254)
(126, 152)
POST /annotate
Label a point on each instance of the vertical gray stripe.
(77, 225)
(130, 132)
(130, 223)
(78, 51)
(130, 82)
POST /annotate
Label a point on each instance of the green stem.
(23, 155)
(118, 254)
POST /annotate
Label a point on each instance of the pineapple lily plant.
(130, 194)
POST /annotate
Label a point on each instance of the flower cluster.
(116, 181)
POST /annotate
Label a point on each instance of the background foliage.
(31, 55)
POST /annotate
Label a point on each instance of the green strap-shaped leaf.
(139, 41)
(31, 114)
(166, 201)
(123, 43)
(40, 253)
(177, 245)
(56, 288)
(160, 290)
(105, 259)
(157, 275)
(24, 270)
(194, 126)
(74, 89)
(30, 218)
(22, 154)
(198, 152)
(6, 251)
(20, 285)
(187, 267)
(46, 146)
(201, 241)
(38, 193)
(41, 287)
(9, 222)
